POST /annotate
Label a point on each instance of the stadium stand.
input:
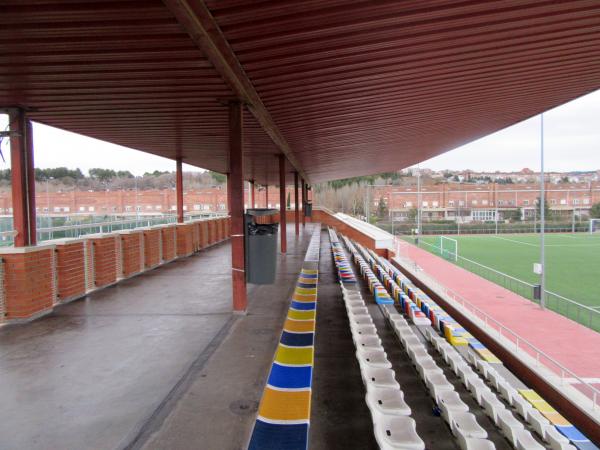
(514, 411)
(393, 426)
(284, 411)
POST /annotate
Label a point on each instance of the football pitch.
(572, 266)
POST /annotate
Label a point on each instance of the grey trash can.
(261, 225)
(308, 209)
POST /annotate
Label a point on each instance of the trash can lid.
(262, 211)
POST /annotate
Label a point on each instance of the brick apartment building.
(479, 202)
(150, 202)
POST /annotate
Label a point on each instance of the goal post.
(594, 226)
(449, 248)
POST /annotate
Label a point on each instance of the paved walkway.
(571, 344)
(157, 360)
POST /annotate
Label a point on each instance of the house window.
(484, 202)
(552, 202)
(450, 202)
(473, 202)
(435, 204)
(576, 201)
(526, 202)
(563, 201)
(425, 204)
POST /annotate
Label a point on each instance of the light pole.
(542, 216)
(418, 203)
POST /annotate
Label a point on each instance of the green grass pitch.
(572, 264)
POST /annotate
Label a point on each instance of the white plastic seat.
(467, 443)
(364, 330)
(363, 319)
(368, 329)
(448, 352)
(525, 441)
(494, 377)
(472, 357)
(397, 318)
(356, 302)
(454, 361)
(507, 392)
(380, 378)
(368, 343)
(482, 367)
(557, 440)
(436, 383)
(477, 387)
(376, 359)
(492, 406)
(426, 364)
(410, 341)
(522, 406)
(538, 422)
(465, 372)
(509, 425)
(440, 344)
(465, 424)
(387, 401)
(397, 432)
(357, 310)
(450, 400)
(403, 330)
(416, 352)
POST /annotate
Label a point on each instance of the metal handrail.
(519, 340)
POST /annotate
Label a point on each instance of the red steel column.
(252, 195)
(282, 209)
(179, 189)
(303, 200)
(236, 194)
(22, 178)
(296, 207)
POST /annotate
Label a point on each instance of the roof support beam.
(197, 20)
(23, 180)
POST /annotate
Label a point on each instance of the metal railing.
(76, 230)
(520, 344)
(567, 307)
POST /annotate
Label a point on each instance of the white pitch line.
(516, 242)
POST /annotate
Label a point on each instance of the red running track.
(574, 346)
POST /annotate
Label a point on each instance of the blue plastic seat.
(269, 436)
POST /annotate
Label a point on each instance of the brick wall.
(152, 248)
(169, 243)
(32, 279)
(105, 260)
(185, 243)
(70, 269)
(28, 284)
(131, 252)
(204, 233)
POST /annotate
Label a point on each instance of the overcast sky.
(572, 142)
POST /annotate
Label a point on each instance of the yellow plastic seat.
(294, 355)
(299, 326)
(301, 315)
(285, 405)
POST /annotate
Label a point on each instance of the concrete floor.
(157, 361)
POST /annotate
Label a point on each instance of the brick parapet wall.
(132, 248)
(152, 247)
(28, 283)
(33, 279)
(70, 269)
(326, 218)
(169, 242)
(104, 259)
(185, 239)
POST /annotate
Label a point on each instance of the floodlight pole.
(542, 216)
(418, 202)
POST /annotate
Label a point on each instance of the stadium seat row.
(393, 426)
(552, 427)
(377, 289)
(284, 411)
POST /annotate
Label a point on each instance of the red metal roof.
(355, 87)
